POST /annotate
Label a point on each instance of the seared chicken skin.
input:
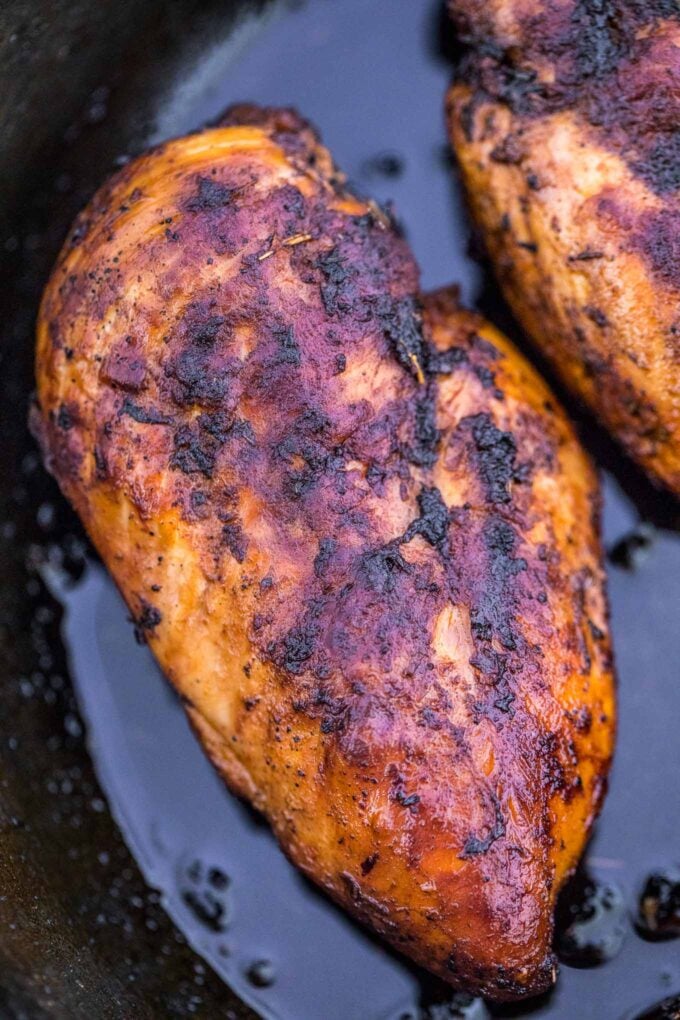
(359, 536)
(565, 121)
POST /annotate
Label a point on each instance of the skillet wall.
(81, 934)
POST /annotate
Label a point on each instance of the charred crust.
(597, 316)
(446, 362)
(208, 196)
(382, 568)
(144, 415)
(476, 845)
(297, 648)
(595, 50)
(369, 863)
(508, 151)
(600, 37)
(410, 801)
(433, 522)
(146, 620)
(496, 453)
(327, 547)
(339, 292)
(289, 350)
(193, 453)
(234, 538)
(657, 237)
(64, 418)
(424, 447)
(403, 327)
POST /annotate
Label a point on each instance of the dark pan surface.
(372, 76)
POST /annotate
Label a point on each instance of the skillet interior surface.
(83, 933)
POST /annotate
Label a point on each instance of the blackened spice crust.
(496, 452)
(147, 619)
(599, 52)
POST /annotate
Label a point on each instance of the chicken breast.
(564, 119)
(358, 534)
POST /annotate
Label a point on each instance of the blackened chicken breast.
(564, 119)
(355, 529)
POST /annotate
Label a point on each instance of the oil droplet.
(384, 164)
(658, 914)
(590, 922)
(669, 1009)
(632, 549)
(439, 1002)
(261, 974)
(202, 890)
(459, 1007)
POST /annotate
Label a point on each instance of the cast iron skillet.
(83, 85)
